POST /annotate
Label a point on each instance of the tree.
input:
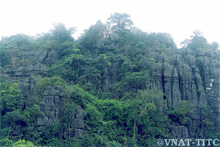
(5, 57)
(61, 33)
(60, 39)
(120, 23)
(19, 41)
(214, 46)
(94, 37)
(180, 115)
(10, 98)
(11, 107)
(162, 40)
(20, 143)
(197, 41)
(145, 120)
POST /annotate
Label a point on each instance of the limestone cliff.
(23, 69)
(193, 77)
(187, 75)
(53, 107)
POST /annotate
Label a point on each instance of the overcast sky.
(177, 17)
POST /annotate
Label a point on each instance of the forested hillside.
(113, 86)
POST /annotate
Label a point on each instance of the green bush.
(180, 115)
(42, 84)
(20, 143)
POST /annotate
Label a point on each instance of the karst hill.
(113, 86)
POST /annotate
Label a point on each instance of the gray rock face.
(179, 132)
(192, 78)
(22, 69)
(187, 75)
(76, 127)
(53, 107)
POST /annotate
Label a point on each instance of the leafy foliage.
(42, 84)
(120, 23)
(14, 113)
(180, 114)
(106, 72)
(20, 143)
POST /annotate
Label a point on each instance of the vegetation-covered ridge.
(114, 86)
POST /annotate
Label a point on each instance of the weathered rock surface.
(194, 78)
(76, 127)
(23, 69)
(179, 132)
(187, 75)
(53, 107)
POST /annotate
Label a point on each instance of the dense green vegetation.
(106, 72)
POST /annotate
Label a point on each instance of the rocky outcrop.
(190, 77)
(76, 126)
(179, 132)
(53, 107)
(186, 75)
(24, 68)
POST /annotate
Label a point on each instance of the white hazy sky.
(177, 17)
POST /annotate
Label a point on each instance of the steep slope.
(194, 78)
(114, 86)
(184, 76)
